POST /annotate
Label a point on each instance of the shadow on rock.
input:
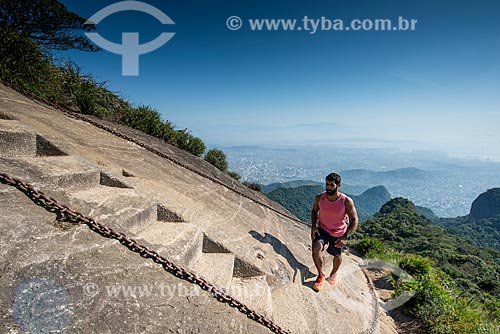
(283, 250)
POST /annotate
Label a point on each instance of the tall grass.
(24, 65)
(88, 95)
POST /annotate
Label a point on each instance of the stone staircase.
(16, 139)
(112, 201)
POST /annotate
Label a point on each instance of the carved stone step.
(181, 242)
(66, 172)
(118, 208)
(16, 139)
(217, 268)
(254, 292)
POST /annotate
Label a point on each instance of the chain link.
(376, 306)
(52, 205)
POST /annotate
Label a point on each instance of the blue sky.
(434, 88)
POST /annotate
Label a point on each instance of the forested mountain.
(486, 205)
(482, 225)
(426, 212)
(300, 200)
(347, 188)
(400, 226)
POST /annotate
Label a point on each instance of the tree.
(253, 186)
(47, 22)
(234, 175)
(217, 158)
(196, 146)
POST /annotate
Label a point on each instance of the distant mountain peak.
(397, 204)
(414, 169)
(378, 191)
(486, 205)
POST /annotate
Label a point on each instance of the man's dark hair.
(333, 177)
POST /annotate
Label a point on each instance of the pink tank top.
(332, 215)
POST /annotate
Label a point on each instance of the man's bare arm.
(314, 216)
(352, 214)
(353, 222)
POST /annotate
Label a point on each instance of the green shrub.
(89, 96)
(253, 186)
(445, 311)
(234, 175)
(186, 141)
(24, 65)
(492, 306)
(370, 245)
(415, 265)
(145, 119)
(217, 158)
(148, 120)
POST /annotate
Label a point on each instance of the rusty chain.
(154, 255)
(53, 205)
(376, 306)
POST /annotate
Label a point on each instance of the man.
(333, 227)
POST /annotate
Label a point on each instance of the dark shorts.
(325, 239)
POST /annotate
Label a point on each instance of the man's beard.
(330, 192)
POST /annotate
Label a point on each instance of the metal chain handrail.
(53, 205)
(376, 306)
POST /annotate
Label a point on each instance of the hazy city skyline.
(433, 88)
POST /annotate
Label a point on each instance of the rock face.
(59, 277)
(486, 205)
(380, 192)
(370, 201)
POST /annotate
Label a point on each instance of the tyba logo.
(130, 49)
